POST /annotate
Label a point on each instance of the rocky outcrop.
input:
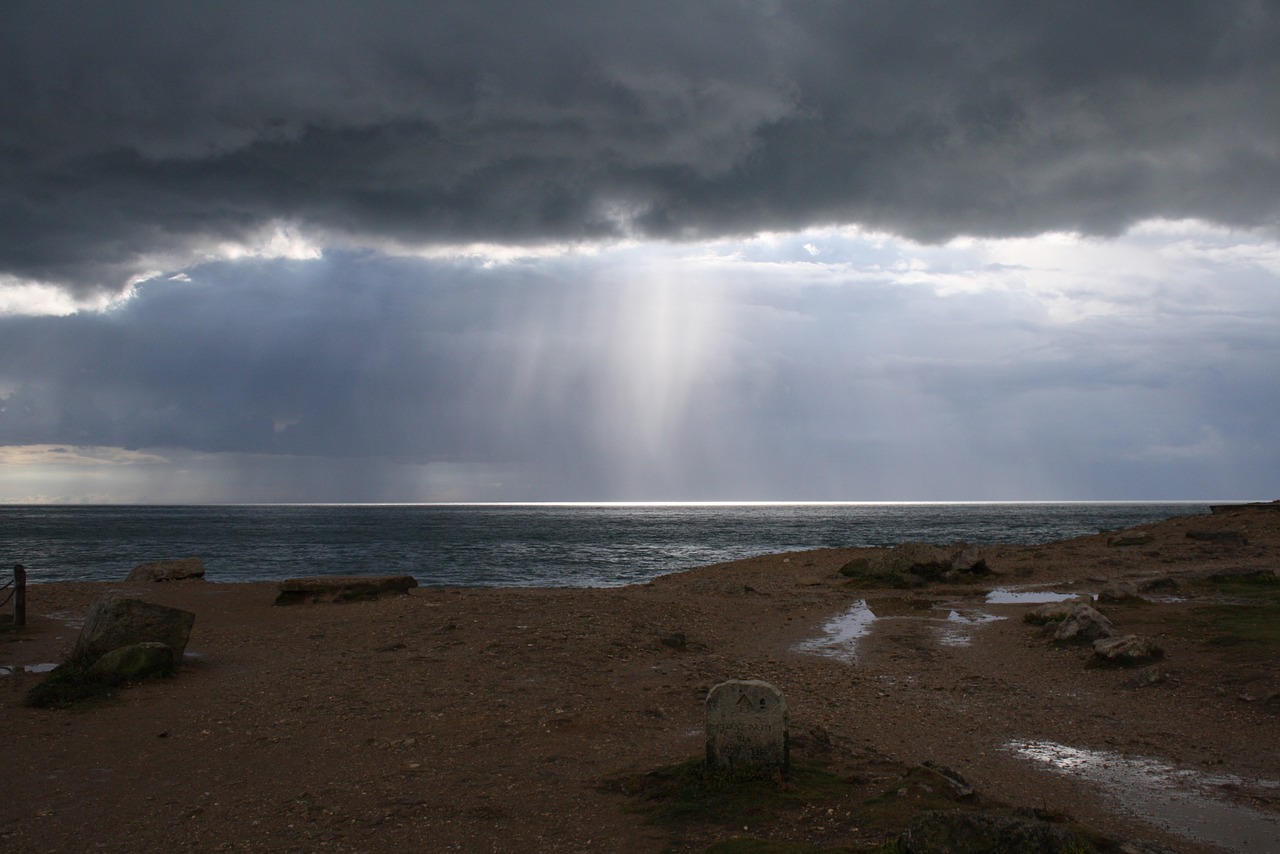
(1120, 591)
(342, 588)
(181, 569)
(917, 564)
(114, 622)
(1128, 650)
(970, 832)
(1084, 624)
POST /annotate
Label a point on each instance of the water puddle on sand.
(958, 630)
(1004, 596)
(7, 669)
(1178, 800)
(842, 633)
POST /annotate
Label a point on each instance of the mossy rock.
(70, 685)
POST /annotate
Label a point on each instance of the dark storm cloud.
(133, 133)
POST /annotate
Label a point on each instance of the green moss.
(693, 793)
(70, 685)
(918, 789)
(1249, 625)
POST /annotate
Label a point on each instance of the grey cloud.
(136, 130)
(549, 377)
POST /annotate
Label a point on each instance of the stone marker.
(746, 725)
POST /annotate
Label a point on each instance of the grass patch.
(1253, 629)
(1250, 624)
(70, 685)
(692, 793)
(833, 813)
(919, 789)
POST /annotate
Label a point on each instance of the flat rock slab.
(342, 588)
(181, 569)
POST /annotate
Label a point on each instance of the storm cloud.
(137, 137)
(742, 249)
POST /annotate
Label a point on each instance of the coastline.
(491, 718)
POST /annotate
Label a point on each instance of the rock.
(1132, 538)
(1230, 538)
(342, 588)
(1163, 584)
(971, 560)
(959, 786)
(1127, 650)
(974, 832)
(133, 662)
(181, 569)
(1148, 677)
(1119, 591)
(1084, 624)
(113, 622)
(676, 641)
(916, 564)
(1054, 612)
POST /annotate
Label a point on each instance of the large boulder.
(137, 661)
(916, 564)
(1084, 624)
(1120, 591)
(180, 569)
(113, 622)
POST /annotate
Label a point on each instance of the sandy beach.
(502, 719)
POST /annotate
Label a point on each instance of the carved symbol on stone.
(746, 725)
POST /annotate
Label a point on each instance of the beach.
(502, 719)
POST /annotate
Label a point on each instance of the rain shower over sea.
(566, 545)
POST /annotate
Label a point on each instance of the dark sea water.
(505, 545)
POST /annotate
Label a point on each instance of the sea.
(504, 545)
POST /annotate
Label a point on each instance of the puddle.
(959, 626)
(1178, 800)
(1004, 596)
(67, 618)
(7, 670)
(842, 633)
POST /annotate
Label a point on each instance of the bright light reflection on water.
(1177, 800)
(841, 633)
(959, 628)
(1004, 596)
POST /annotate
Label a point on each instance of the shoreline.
(489, 718)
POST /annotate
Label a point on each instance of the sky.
(594, 251)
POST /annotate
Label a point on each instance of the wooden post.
(19, 595)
